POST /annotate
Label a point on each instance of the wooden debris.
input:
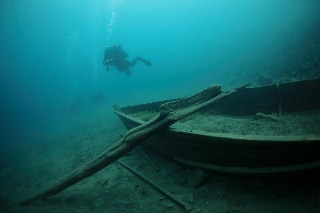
(159, 188)
(148, 159)
(198, 178)
(169, 113)
(262, 116)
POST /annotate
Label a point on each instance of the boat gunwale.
(232, 137)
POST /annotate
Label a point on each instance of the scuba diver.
(116, 56)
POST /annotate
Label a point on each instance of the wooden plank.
(169, 114)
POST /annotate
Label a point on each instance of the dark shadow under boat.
(272, 129)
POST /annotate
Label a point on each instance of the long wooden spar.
(169, 113)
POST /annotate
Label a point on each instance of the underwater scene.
(160, 106)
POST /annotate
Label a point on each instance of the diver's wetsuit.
(116, 56)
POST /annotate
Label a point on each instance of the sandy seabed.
(115, 189)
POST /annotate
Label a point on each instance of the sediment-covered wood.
(133, 137)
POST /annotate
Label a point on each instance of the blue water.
(52, 51)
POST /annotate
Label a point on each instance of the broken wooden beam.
(169, 113)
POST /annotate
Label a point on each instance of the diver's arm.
(105, 61)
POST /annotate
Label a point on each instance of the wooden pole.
(175, 199)
(169, 114)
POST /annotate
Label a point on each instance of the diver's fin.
(145, 61)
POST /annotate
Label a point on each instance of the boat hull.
(235, 154)
(242, 154)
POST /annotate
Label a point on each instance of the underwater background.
(52, 51)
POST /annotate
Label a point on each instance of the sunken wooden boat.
(273, 129)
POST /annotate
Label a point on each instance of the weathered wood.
(169, 114)
(156, 167)
(175, 199)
